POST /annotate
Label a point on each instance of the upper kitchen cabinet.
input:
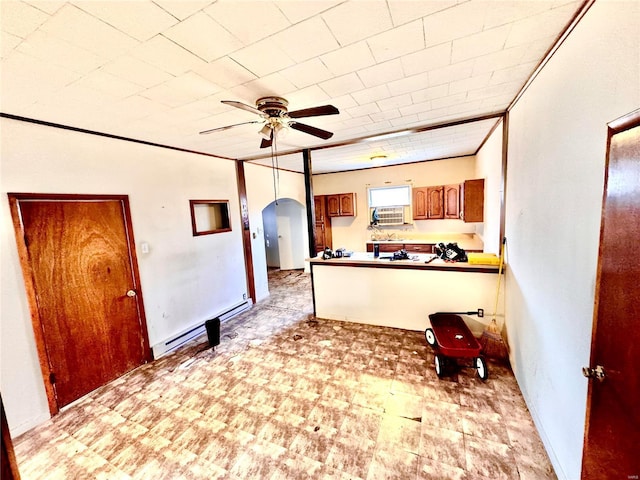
(341, 205)
(452, 201)
(472, 199)
(428, 203)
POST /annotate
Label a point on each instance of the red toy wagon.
(451, 339)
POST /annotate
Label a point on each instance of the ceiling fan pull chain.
(275, 148)
(273, 172)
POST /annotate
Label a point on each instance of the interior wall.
(260, 193)
(489, 167)
(556, 160)
(352, 232)
(185, 280)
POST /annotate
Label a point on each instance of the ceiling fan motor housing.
(272, 106)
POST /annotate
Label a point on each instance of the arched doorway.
(285, 234)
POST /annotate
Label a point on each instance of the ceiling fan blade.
(314, 111)
(220, 129)
(242, 106)
(267, 143)
(316, 132)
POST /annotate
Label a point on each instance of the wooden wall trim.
(308, 190)
(246, 229)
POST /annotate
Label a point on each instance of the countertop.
(416, 262)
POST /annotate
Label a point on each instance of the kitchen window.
(387, 205)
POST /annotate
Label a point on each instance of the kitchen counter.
(416, 262)
(400, 293)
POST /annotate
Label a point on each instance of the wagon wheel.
(481, 367)
(430, 337)
(440, 364)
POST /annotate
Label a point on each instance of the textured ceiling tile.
(8, 43)
(409, 84)
(262, 58)
(483, 43)
(371, 94)
(354, 21)
(470, 83)
(298, 11)
(540, 26)
(106, 84)
(20, 19)
(166, 55)
(342, 85)
(85, 31)
(496, 61)
(141, 19)
(456, 22)
(403, 11)
(46, 47)
(204, 37)
(136, 71)
(289, 40)
(225, 72)
(395, 102)
(182, 9)
(397, 42)
(349, 59)
(451, 73)
(427, 59)
(314, 95)
(385, 115)
(519, 73)
(430, 93)
(274, 84)
(382, 73)
(248, 21)
(361, 110)
(511, 11)
(307, 73)
(49, 6)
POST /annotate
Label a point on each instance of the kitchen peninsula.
(400, 293)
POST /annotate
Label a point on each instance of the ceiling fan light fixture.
(265, 131)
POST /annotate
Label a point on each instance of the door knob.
(597, 373)
(131, 293)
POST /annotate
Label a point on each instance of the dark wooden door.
(473, 200)
(89, 308)
(612, 431)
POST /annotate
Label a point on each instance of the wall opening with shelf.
(209, 216)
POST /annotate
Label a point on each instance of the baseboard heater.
(167, 346)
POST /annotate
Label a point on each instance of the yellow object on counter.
(483, 258)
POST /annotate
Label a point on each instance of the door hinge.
(52, 378)
(597, 373)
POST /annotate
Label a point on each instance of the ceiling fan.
(276, 116)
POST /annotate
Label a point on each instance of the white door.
(291, 222)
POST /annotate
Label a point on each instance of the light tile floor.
(288, 396)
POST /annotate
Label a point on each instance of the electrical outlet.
(244, 296)
(480, 312)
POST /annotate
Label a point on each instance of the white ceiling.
(157, 70)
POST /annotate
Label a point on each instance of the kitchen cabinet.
(472, 200)
(419, 247)
(452, 201)
(435, 207)
(341, 205)
(322, 224)
(428, 203)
